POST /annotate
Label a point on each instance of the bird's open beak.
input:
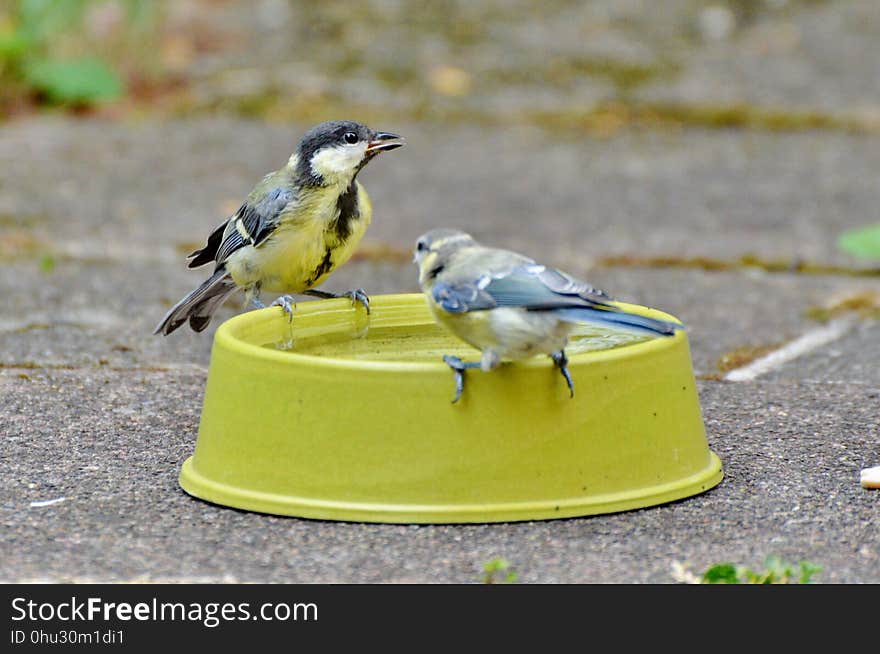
(385, 141)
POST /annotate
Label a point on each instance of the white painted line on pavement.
(796, 348)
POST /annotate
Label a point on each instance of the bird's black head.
(334, 152)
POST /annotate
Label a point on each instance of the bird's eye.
(421, 246)
(350, 137)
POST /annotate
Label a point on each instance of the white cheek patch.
(338, 163)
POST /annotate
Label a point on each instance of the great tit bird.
(296, 226)
(510, 307)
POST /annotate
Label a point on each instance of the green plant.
(776, 571)
(498, 571)
(863, 242)
(47, 263)
(42, 51)
(82, 81)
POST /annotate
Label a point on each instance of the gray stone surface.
(853, 357)
(96, 217)
(111, 443)
(807, 55)
(102, 413)
(562, 55)
(721, 194)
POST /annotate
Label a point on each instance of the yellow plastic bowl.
(357, 423)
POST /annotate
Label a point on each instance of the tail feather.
(619, 319)
(199, 305)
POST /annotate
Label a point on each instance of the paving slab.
(111, 445)
(854, 356)
(562, 56)
(156, 189)
(110, 438)
(102, 314)
(101, 413)
(803, 55)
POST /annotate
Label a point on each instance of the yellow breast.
(304, 249)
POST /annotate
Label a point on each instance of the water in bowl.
(426, 342)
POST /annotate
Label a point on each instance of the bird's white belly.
(521, 334)
(510, 333)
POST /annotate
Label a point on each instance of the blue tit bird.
(295, 228)
(510, 307)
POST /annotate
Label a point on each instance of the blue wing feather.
(462, 297)
(537, 287)
(534, 287)
(529, 286)
(619, 319)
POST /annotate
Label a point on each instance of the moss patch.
(865, 304)
(742, 356)
(16, 243)
(745, 261)
(601, 120)
(19, 221)
(666, 116)
(561, 72)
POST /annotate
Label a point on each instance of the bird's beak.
(385, 141)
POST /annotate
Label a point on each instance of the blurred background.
(597, 65)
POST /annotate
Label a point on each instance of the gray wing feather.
(565, 284)
(252, 223)
(529, 286)
(462, 297)
(538, 287)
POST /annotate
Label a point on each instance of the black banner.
(131, 617)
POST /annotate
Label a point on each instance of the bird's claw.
(458, 367)
(359, 295)
(561, 362)
(287, 304)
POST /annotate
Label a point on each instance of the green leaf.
(863, 242)
(496, 565)
(723, 573)
(809, 569)
(495, 569)
(777, 570)
(47, 263)
(12, 45)
(84, 81)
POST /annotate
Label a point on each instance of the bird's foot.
(561, 362)
(287, 305)
(257, 303)
(357, 295)
(458, 367)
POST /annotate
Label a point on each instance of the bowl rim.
(227, 337)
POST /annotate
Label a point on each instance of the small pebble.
(871, 477)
